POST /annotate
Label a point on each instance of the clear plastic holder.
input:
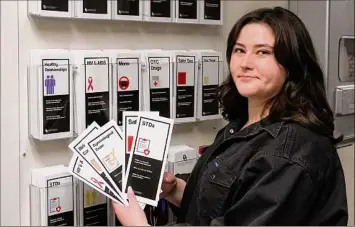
(127, 85)
(160, 16)
(93, 207)
(184, 13)
(344, 94)
(50, 99)
(126, 11)
(55, 9)
(54, 205)
(75, 10)
(211, 76)
(207, 16)
(157, 73)
(346, 59)
(82, 11)
(185, 87)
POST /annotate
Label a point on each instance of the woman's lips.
(247, 78)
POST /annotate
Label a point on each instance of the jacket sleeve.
(271, 191)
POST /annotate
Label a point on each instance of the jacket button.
(213, 176)
(231, 131)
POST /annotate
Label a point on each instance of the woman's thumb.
(131, 197)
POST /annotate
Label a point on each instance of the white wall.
(54, 33)
(10, 125)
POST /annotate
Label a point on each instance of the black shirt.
(269, 173)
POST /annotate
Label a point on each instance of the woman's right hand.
(168, 184)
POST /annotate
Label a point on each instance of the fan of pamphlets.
(111, 158)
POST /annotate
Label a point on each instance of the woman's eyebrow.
(256, 45)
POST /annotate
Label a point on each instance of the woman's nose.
(247, 61)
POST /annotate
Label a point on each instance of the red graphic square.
(130, 142)
(181, 78)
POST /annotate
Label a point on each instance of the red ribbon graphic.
(97, 182)
(90, 84)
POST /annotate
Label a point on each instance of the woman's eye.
(238, 50)
(263, 52)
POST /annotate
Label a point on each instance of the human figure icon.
(52, 84)
(47, 85)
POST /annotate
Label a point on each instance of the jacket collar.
(233, 129)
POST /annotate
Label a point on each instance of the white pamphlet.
(147, 161)
(80, 147)
(130, 126)
(84, 172)
(107, 145)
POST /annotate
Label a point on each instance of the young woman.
(275, 163)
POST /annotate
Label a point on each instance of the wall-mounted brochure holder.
(50, 94)
(53, 197)
(185, 78)
(53, 206)
(187, 11)
(181, 160)
(347, 59)
(127, 83)
(93, 207)
(344, 100)
(93, 93)
(158, 10)
(157, 82)
(344, 95)
(211, 12)
(163, 11)
(209, 78)
(131, 10)
(50, 8)
(93, 9)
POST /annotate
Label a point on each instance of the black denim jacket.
(269, 173)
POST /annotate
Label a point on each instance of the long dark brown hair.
(302, 97)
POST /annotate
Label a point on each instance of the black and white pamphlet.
(94, 207)
(97, 96)
(95, 6)
(81, 148)
(187, 9)
(128, 7)
(159, 76)
(185, 86)
(160, 8)
(128, 98)
(212, 9)
(108, 147)
(148, 159)
(210, 83)
(55, 5)
(56, 95)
